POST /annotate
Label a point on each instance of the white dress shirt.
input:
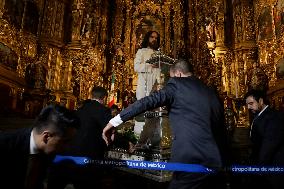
(33, 147)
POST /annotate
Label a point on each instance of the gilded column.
(47, 22)
(77, 18)
(245, 48)
(220, 32)
(227, 73)
(178, 26)
(119, 22)
(23, 16)
(167, 39)
(217, 30)
(128, 28)
(192, 29)
(58, 25)
(241, 73)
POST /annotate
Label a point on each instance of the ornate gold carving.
(77, 17)
(77, 66)
(238, 23)
(87, 66)
(248, 19)
(257, 79)
(226, 73)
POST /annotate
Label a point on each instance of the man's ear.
(178, 73)
(46, 136)
(102, 100)
(260, 101)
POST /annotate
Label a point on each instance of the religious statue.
(230, 114)
(280, 69)
(76, 24)
(210, 29)
(86, 28)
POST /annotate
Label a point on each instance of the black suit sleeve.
(4, 142)
(107, 117)
(218, 128)
(272, 139)
(159, 98)
(217, 111)
(12, 142)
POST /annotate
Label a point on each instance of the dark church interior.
(56, 51)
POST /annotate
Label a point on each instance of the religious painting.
(265, 24)
(279, 18)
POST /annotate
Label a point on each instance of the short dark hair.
(183, 66)
(114, 106)
(145, 41)
(99, 92)
(58, 117)
(257, 94)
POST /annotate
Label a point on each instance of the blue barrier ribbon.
(165, 166)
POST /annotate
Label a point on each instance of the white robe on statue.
(147, 75)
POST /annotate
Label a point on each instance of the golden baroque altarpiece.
(63, 49)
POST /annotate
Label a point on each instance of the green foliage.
(129, 135)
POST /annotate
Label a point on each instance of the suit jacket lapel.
(257, 119)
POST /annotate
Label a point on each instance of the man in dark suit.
(195, 118)
(94, 115)
(267, 137)
(26, 153)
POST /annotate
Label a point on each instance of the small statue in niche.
(257, 79)
(230, 114)
(36, 75)
(280, 69)
(40, 75)
(86, 28)
(29, 75)
(210, 29)
(76, 24)
(119, 55)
